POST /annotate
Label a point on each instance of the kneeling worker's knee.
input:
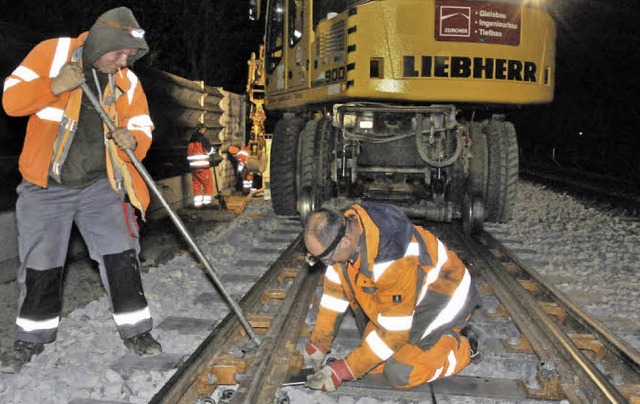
(397, 373)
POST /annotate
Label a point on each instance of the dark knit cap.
(116, 29)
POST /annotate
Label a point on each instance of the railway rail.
(536, 344)
(279, 297)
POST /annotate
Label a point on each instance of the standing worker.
(75, 171)
(199, 151)
(411, 297)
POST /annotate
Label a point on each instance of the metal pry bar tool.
(176, 219)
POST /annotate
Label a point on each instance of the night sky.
(594, 112)
(206, 40)
(594, 116)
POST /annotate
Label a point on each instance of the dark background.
(591, 124)
(208, 40)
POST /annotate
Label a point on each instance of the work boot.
(22, 352)
(143, 345)
(473, 335)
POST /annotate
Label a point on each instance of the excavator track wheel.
(472, 215)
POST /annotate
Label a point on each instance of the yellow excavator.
(402, 101)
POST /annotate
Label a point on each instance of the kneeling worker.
(411, 297)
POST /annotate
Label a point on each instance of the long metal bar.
(176, 219)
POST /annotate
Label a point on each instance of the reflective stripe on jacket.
(27, 91)
(404, 281)
(198, 155)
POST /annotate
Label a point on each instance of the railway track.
(536, 344)
(615, 191)
(579, 359)
(228, 356)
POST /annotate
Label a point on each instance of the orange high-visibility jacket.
(241, 153)
(199, 151)
(404, 281)
(27, 91)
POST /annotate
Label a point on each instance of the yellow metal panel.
(402, 33)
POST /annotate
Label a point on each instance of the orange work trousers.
(412, 366)
(202, 186)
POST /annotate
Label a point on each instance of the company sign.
(475, 21)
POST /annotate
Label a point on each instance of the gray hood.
(114, 30)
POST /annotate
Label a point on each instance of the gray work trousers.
(108, 226)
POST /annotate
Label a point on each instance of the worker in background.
(199, 151)
(411, 297)
(75, 171)
(239, 157)
(247, 184)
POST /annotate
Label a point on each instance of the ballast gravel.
(588, 251)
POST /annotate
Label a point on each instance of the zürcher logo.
(455, 21)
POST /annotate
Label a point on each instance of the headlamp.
(136, 32)
(133, 31)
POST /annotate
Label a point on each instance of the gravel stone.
(589, 251)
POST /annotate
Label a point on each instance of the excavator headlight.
(366, 120)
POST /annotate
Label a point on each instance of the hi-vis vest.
(198, 156)
(27, 91)
(405, 285)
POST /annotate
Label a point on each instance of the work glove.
(240, 168)
(69, 78)
(330, 377)
(123, 138)
(313, 355)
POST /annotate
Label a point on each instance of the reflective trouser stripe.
(202, 182)
(132, 318)
(454, 307)
(130, 308)
(39, 307)
(32, 325)
(412, 366)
